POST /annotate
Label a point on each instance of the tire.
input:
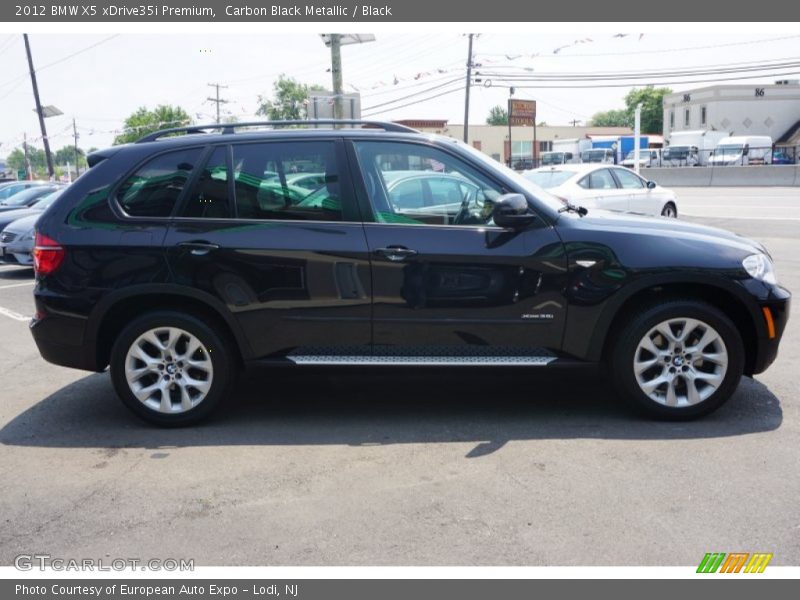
(669, 210)
(701, 378)
(180, 354)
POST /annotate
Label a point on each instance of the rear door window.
(154, 189)
(269, 183)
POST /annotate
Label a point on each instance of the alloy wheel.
(680, 362)
(168, 370)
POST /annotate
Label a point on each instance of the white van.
(598, 155)
(648, 157)
(742, 150)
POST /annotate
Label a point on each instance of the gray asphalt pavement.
(407, 467)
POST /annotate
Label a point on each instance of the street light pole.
(466, 96)
(336, 74)
(50, 170)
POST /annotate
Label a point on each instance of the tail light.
(47, 255)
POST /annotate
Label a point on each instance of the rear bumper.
(778, 305)
(61, 340)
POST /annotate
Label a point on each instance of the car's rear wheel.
(678, 360)
(669, 210)
(172, 369)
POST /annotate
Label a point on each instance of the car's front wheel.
(172, 369)
(669, 210)
(678, 360)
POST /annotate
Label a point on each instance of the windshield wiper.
(569, 207)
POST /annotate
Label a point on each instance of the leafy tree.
(16, 160)
(67, 155)
(612, 118)
(497, 116)
(145, 121)
(289, 100)
(652, 100)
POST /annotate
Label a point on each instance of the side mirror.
(511, 211)
(651, 185)
(746, 151)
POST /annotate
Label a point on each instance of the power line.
(421, 92)
(61, 60)
(420, 101)
(616, 85)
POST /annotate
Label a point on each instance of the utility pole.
(28, 170)
(575, 122)
(466, 96)
(75, 137)
(50, 170)
(336, 74)
(218, 100)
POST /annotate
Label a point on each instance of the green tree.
(16, 160)
(652, 100)
(612, 118)
(145, 121)
(289, 100)
(67, 155)
(497, 116)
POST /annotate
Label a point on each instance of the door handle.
(198, 248)
(395, 253)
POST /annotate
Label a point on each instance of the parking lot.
(411, 466)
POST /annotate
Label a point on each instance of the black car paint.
(278, 285)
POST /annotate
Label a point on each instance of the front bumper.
(17, 253)
(778, 305)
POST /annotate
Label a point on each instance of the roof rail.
(227, 128)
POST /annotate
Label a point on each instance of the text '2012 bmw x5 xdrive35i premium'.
(178, 259)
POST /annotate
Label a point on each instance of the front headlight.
(759, 266)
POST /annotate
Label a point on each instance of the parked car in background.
(9, 188)
(606, 187)
(9, 216)
(555, 158)
(782, 156)
(598, 155)
(742, 150)
(16, 236)
(648, 157)
(26, 198)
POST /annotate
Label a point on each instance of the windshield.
(548, 179)
(539, 193)
(729, 149)
(23, 198)
(553, 158)
(676, 152)
(595, 155)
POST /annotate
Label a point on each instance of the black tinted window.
(209, 198)
(153, 190)
(287, 180)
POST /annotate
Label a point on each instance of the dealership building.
(493, 139)
(750, 109)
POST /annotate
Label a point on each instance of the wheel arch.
(118, 309)
(724, 295)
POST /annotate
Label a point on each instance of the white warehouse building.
(756, 109)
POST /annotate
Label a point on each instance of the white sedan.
(606, 187)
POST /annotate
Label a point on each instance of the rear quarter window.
(154, 189)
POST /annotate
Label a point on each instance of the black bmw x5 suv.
(180, 258)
